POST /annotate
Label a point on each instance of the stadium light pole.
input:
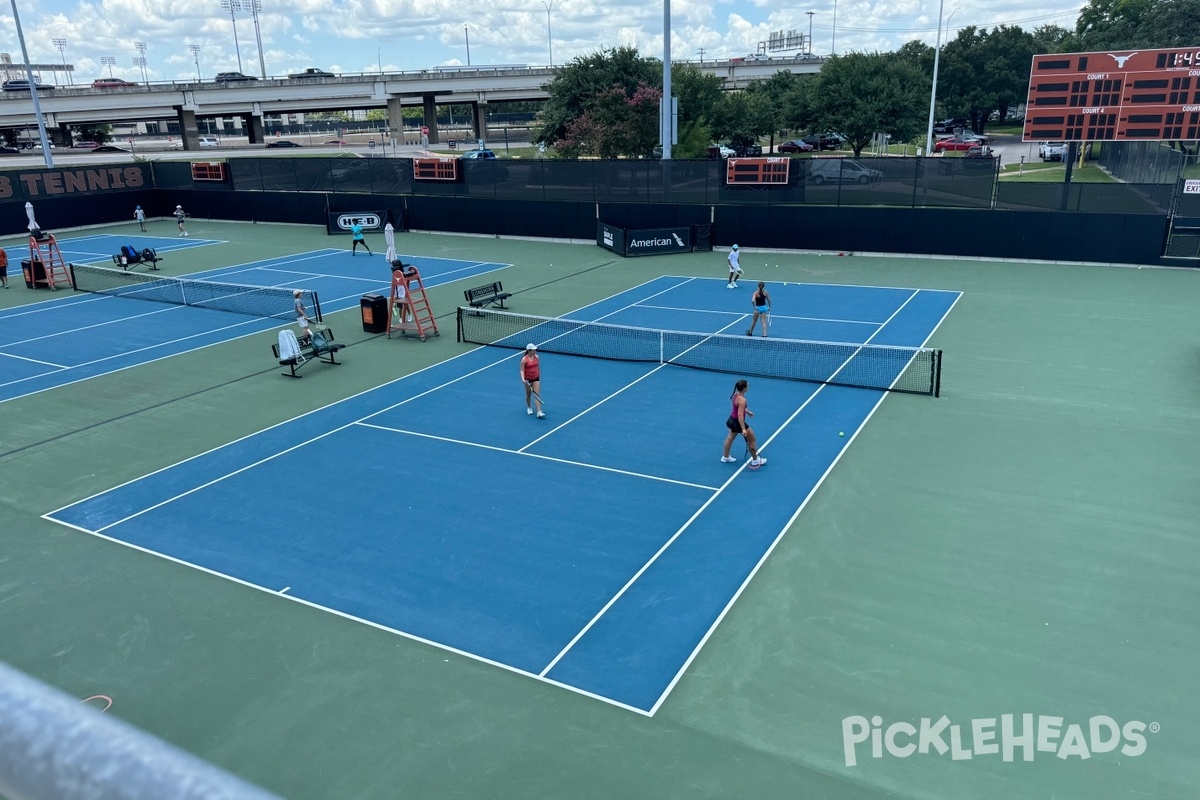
(833, 40)
(141, 60)
(810, 16)
(33, 92)
(195, 48)
(665, 118)
(255, 7)
(468, 37)
(937, 52)
(61, 44)
(110, 62)
(234, 6)
(549, 4)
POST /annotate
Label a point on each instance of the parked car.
(745, 149)
(111, 83)
(312, 72)
(825, 141)
(85, 145)
(954, 144)
(949, 126)
(22, 85)
(209, 141)
(1052, 151)
(795, 146)
(841, 170)
(478, 155)
(282, 143)
(720, 151)
(233, 77)
(338, 142)
(979, 151)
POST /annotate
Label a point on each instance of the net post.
(937, 373)
(459, 324)
(316, 303)
(74, 283)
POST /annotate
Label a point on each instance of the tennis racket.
(533, 391)
(767, 316)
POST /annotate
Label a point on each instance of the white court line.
(369, 623)
(791, 521)
(124, 353)
(631, 384)
(69, 331)
(777, 316)
(508, 357)
(31, 360)
(706, 504)
(522, 452)
(842, 285)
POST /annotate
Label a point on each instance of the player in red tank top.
(531, 376)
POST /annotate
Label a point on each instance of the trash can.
(34, 273)
(374, 313)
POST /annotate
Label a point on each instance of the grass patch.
(1056, 173)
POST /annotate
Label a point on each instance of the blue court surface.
(596, 549)
(76, 335)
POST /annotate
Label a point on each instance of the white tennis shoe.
(727, 459)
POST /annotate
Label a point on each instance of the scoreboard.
(1125, 95)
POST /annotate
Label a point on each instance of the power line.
(957, 27)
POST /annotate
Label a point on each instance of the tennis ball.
(841, 433)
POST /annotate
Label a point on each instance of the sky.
(356, 36)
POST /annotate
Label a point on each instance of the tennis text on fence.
(1007, 736)
(38, 184)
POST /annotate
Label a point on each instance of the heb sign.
(342, 222)
(1191, 187)
(650, 242)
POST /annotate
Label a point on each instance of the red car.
(945, 145)
(795, 146)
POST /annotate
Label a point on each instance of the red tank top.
(733, 401)
(529, 364)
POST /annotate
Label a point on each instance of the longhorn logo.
(1121, 59)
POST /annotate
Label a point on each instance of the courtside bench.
(491, 295)
(326, 354)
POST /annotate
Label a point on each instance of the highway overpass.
(253, 99)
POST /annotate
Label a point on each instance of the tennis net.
(257, 301)
(915, 370)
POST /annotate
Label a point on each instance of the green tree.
(698, 92)
(616, 124)
(581, 84)
(861, 94)
(95, 133)
(983, 71)
(1104, 24)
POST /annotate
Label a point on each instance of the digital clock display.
(1141, 95)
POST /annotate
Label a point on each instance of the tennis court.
(1021, 549)
(601, 562)
(79, 335)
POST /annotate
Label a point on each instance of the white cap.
(297, 293)
(179, 206)
(531, 347)
(735, 247)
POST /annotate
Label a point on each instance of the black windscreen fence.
(840, 182)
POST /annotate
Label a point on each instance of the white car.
(1052, 151)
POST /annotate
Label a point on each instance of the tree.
(1104, 24)
(95, 133)
(861, 94)
(616, 124)
(983, 71)
(581, 84)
